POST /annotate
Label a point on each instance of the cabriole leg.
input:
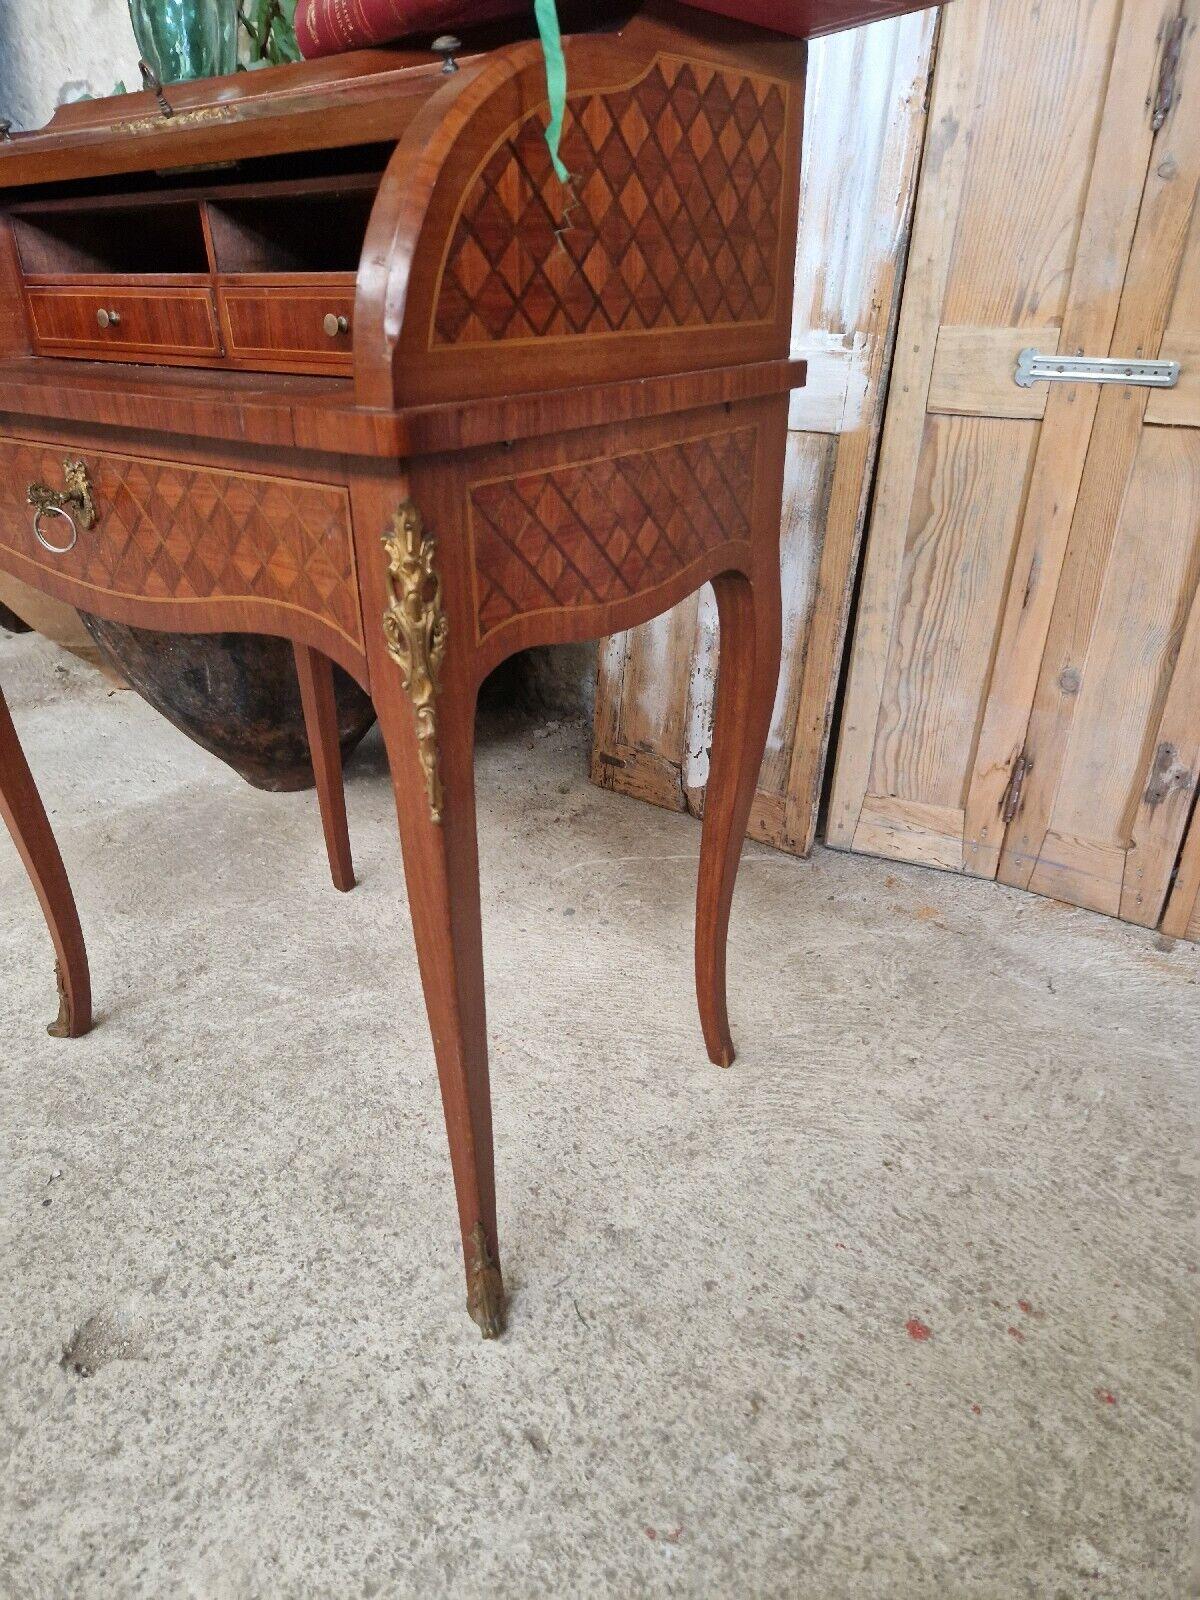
(747, 679)
(441, 867)
(315, 672)
(26, 820)
(424, 693)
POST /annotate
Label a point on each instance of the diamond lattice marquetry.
(601, 531)
(676, 223)
(181, 533)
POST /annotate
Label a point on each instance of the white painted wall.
(52, 50)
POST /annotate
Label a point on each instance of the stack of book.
(326, 27)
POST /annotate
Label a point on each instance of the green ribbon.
(556, 80)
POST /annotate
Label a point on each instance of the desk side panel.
(671, 248)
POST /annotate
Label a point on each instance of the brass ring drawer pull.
(54, 511)
(76, 504)
(334, 324)
(108, 319)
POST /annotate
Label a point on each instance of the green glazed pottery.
(182, 39)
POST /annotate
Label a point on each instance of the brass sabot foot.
(485, 1287)
(60, 1028)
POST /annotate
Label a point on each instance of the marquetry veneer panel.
(599, 531)
(679, 184)
(187, 534)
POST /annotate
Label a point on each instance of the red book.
(326, 27)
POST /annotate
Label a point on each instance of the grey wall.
(46, 45)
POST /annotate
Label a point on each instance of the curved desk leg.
(748, 676)
(441, 866)
(315, 672)
(25, 817)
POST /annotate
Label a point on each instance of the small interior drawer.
(123, 321)
(295, 326)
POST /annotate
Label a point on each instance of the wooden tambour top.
(372, 254)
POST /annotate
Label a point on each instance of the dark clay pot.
(10, 622)
(235, 694)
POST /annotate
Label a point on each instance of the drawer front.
(189, 536)
(96, 321)
(283, 326)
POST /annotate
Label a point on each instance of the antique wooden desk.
(328, 352)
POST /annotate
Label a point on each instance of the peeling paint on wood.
(864, 125)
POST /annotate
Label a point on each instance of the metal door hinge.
(1016, 785)
(1033, 367)
(1168, 71)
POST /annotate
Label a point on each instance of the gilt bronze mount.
(76, 499)
(485, 1287)
(415, 626)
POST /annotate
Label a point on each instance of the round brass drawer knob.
(108, 319)
(334, 325)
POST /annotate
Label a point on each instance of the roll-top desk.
(328, 352)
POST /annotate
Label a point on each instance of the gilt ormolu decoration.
(415, 626)
(60, 1028)
(485, 1287)
(77, 498)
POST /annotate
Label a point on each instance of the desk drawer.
(196, 543)
(101, 321)
(283, 325)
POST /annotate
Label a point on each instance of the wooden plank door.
(1040, 146)
(864, 123)
(1112, 754)
(1182, 918)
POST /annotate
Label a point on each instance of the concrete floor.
(899, 1306)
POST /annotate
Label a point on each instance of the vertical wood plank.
(947, 149)
(1109, 769)
(1169, 794)
(1182, 917)
(864, 111)
(889, 198)
(1159, 250)
(966, 507)
(1174, 780)
(811, 470)
(809, 473)
(642, 708)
